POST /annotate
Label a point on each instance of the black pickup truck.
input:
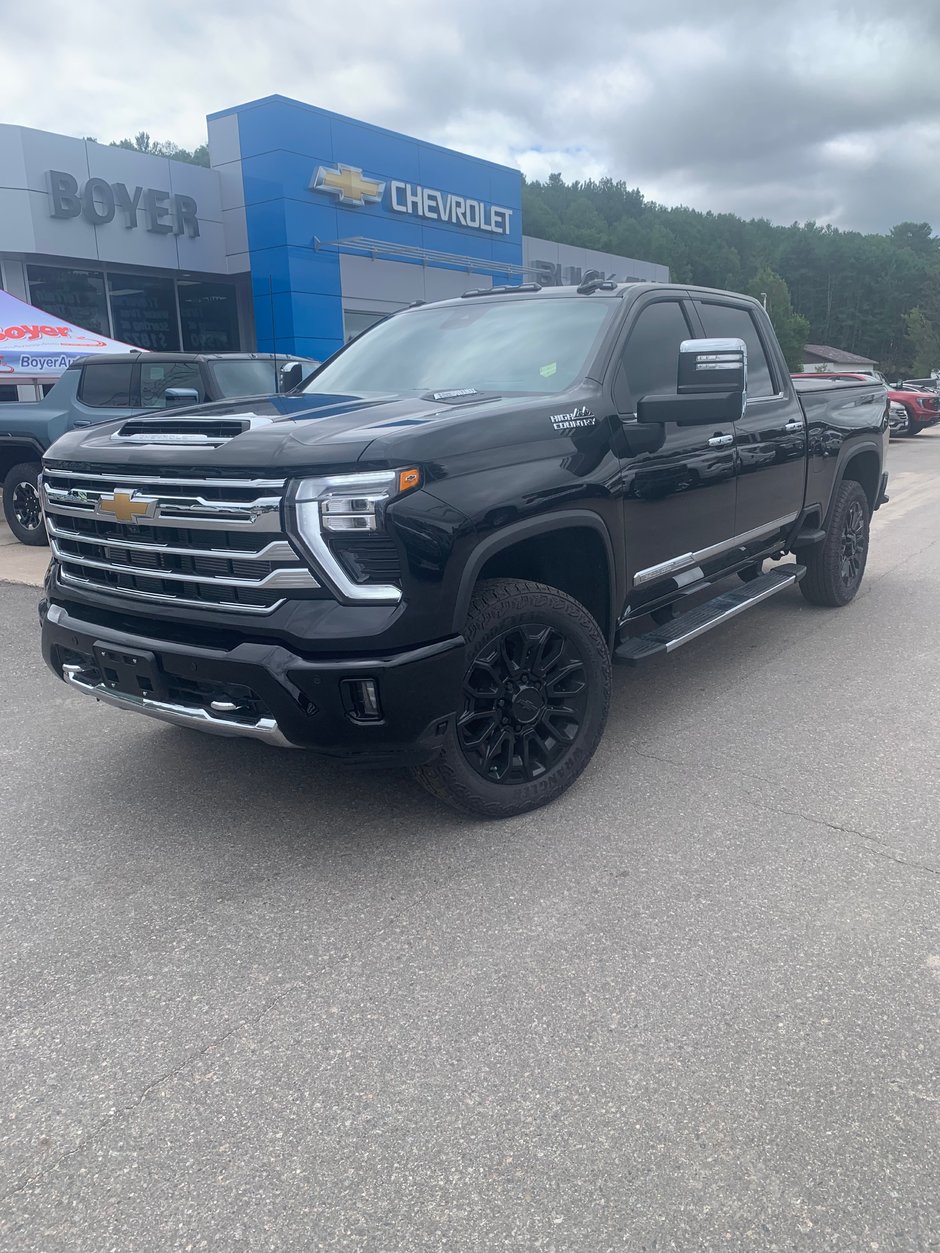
(433, 552)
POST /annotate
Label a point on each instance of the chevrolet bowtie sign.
(350, 186)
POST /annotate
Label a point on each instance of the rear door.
(770, 439)
(678, 481)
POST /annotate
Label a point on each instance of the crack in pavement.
(122, 1111)
(877, 841)
(882, 848)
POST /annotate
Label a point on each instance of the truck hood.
(297, 431)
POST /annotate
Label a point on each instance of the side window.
(651, 356)
(106, 385)
(724, 321)
(157, 376)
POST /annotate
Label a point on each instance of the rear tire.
(21, 505)
(835, 568)
(533, 705)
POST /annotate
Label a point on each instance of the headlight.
(343, 505)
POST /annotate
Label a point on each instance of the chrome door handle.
(720, 441)
(793, 426)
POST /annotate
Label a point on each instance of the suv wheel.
(834, 568)
(21, 503)
(534, 704)
(912, 428)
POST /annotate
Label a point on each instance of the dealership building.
(307, 228)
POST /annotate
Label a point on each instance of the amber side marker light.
(408, 480)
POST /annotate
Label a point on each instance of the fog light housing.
(361, 698)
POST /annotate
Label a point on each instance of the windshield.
(496, 346)
(245, 378)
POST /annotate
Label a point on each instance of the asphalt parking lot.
(254, 1001)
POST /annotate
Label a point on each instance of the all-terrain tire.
(21, 506)
(534, 704)
(834, 568)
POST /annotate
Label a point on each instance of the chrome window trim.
(676, 564)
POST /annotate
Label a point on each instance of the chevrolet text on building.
(350, 186)
(427, 202)
(98, 201)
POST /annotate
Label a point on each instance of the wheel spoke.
(552, 682)
(544, 663)
(512, 666)
(498, 757)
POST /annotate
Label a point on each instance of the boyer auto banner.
(37, 345)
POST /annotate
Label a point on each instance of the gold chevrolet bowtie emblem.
(127, 506)
(348, 184)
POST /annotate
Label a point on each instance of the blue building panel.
(310, 175)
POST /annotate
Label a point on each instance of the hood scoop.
(207, 432)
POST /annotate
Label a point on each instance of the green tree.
(142, 142)
(924, 343)
(792, 328)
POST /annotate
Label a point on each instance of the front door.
(770, 438)
(678, 481)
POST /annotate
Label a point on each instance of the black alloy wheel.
(21, 504)
(26, 508)
(532, 704)
(835, 568)
(854, 544)
(524, 703)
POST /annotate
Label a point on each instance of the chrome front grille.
(211, 543)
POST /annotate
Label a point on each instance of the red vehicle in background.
(910, 410)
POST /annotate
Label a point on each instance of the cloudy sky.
(788, 109)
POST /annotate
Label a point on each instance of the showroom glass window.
(143, 310)
(209, 317)
(77, 296)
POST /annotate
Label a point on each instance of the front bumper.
(264, 691)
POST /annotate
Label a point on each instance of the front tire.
(534, 703)
(912, 428)
(21, 505)
(834, 568)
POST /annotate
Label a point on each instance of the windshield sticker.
(548, 370)
(454, 391)
(580, 416)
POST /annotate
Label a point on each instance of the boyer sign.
(100, 202)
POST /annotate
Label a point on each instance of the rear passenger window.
(158, 376)
(106, 386)
(726, 322)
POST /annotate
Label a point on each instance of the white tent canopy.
(37, 346)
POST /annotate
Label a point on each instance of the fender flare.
(845, 456)
(514, 533)
(19, 443)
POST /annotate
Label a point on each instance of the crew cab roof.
(587, 291)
